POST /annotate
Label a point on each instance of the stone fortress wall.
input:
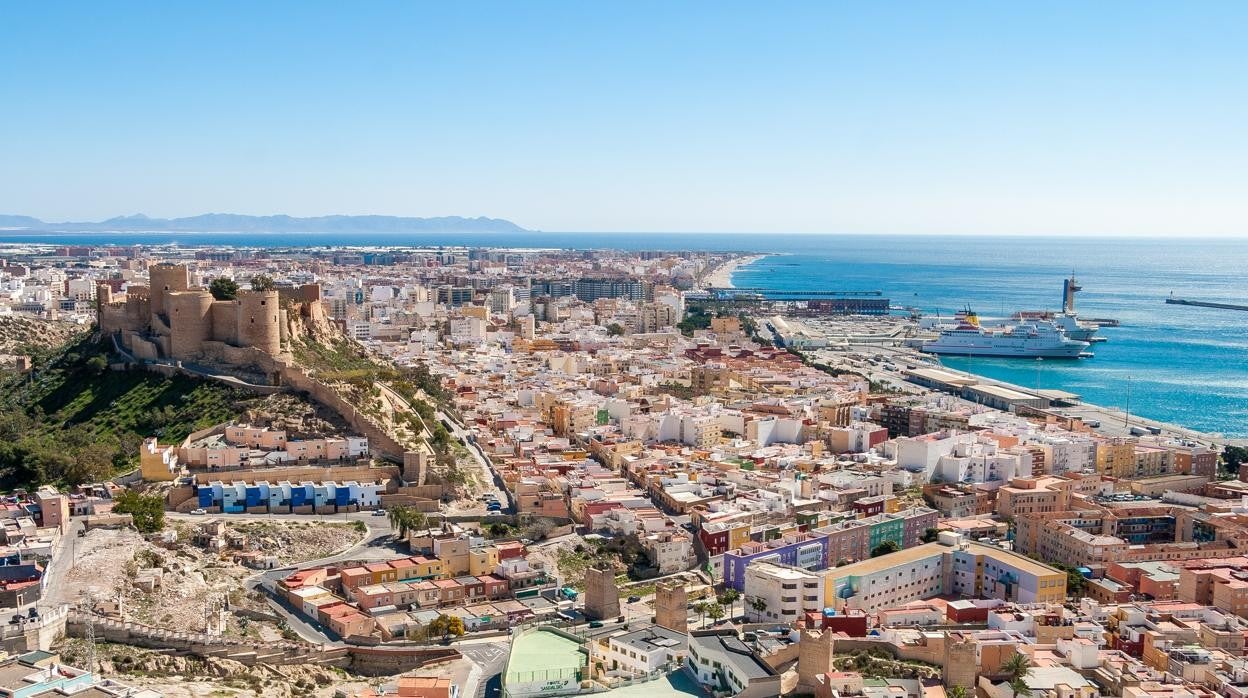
(170, 319)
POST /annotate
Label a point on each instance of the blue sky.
(1062, 118)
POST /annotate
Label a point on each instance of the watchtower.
(671, 606)
(602, 598)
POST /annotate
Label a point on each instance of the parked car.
(379, 512)
(199, 512)
(595, 624)
(634, 599)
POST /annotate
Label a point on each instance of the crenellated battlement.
(174, 320)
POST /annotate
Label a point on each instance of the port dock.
(1205, 304)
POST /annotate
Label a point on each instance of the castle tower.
(602, 598)
(103, 295)
(671, 606)
(258, 321)
(961, 665)
(415, 465)
(164, 279)
(190, 322)
(814, 658)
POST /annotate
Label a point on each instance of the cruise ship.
(1066, 321)
(1024, 340)
(1070, 325)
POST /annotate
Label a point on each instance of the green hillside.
(74, 420)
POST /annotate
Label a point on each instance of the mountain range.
(232, 222)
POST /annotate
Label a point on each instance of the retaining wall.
(379, 439)
(363, 660)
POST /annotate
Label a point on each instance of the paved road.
(378, 544)
(490, 656)
(62, 561)
(493, 480)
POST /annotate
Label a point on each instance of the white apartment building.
(670, 551)
(875, 485)
(785, 592)
(921, 454)
(643, 651)
(982, 462)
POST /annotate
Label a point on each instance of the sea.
(1178, 364)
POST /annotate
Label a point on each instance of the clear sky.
(905, 117)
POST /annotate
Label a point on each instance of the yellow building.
(1115, 458)
(738, 535)
(482, 561)
(157, 463)
(424, 568)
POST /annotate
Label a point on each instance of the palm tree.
(759, 604)
(715, 611)
(404, 519)
(1016, 669)
(701, 608)
(728, 598)
(956, 692)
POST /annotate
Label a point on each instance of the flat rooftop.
(920, 552)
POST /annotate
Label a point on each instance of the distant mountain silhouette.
(232, 222)
(19, 222)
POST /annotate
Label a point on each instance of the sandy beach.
(721, 276)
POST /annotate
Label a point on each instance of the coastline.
(1114, 422)
(721, 276)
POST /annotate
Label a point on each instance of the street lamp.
(1126, 417)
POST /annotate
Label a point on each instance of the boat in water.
(1026, 340)
(1069, 324)
(1082, 330)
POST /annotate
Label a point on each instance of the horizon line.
(528, 231)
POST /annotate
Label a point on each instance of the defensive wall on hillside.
(363, 660)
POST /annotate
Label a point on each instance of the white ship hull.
(1053, 352)
(1033, 341)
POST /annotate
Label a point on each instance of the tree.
(1015, 670)
(956, 692)
(92, 463)
(446, 626)
(262, 282)
(1075, 581)
(1233, 457)
(929, 536)
(728, 598)
(404, 519)
(702, 607)
(147, 510)
(97, 364)
(888, 546)
(224, 289)
(715, 611)
(759, 604)
(615, 330)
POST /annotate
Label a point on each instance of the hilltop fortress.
(170, 319)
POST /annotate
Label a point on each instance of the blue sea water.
(1184, 365)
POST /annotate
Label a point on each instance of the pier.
(1205, 304)
(717, 291)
